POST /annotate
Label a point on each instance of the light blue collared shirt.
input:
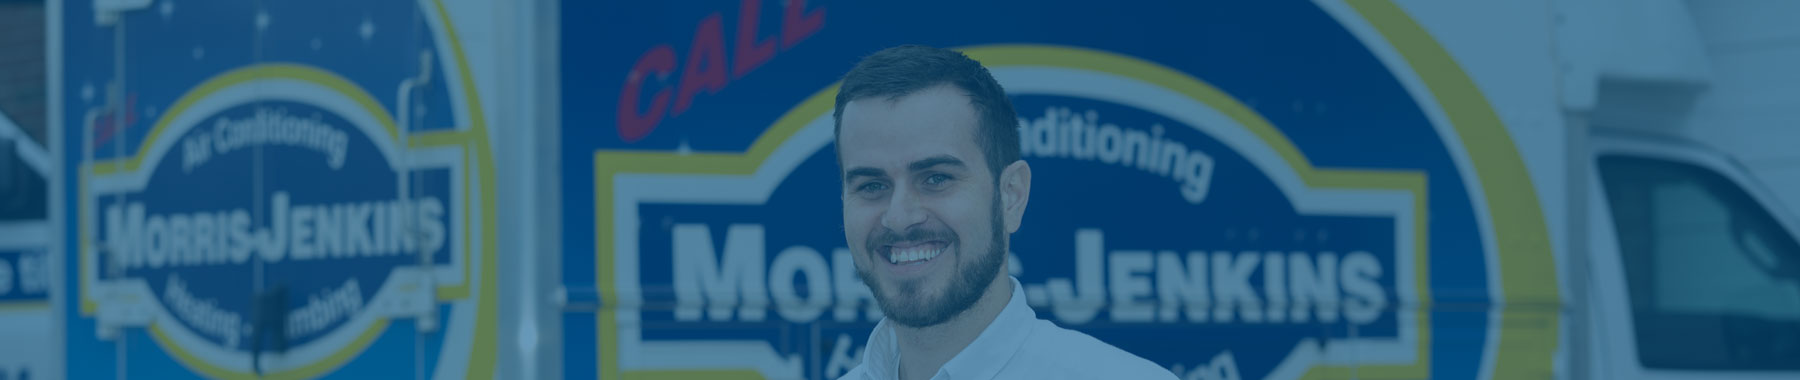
(1017, 345)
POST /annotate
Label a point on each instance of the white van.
(1233, 190)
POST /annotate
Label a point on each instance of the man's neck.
(924, 350)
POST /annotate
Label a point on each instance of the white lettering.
(273, 126)
(328, 231)
(1313, 285)
(195, 151)
(205, 240)
(204, 315)
(156, 241)
(1079, 308)
(726, 283)
(802, 262)
(356, 228)
(176, 239)
(397, 228)
(321, 310)
(1275, 287)
(1126, 279)
(297, 232)
(1112, 148)
(431, 224)
(1176, 286)
(698, 271)
(1231, 287)
(125, 241)
(243, 241)
(1367, 300)
(300, 224)
(273, 240)
(1062, 133)
(841, 360)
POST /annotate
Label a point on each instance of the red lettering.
(705, 68)
(750, 52)
(795, 26)
(659, 61)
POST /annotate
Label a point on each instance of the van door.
(1694, 275)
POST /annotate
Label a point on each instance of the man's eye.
(936, 181)
(871, 187)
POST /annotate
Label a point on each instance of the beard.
(907, 306)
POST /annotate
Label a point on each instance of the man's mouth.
(905, 253)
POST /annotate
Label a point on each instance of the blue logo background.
(1288, 60)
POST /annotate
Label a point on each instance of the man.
(928, 145)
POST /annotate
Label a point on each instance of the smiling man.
(928, 147)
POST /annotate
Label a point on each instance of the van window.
(1714, 280)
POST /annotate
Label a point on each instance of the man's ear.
(1015, 192)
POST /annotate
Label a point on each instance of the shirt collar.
(982, 359)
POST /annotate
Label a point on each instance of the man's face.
(921, 213)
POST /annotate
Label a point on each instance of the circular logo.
(276, 209)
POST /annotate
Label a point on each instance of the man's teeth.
(913, 254)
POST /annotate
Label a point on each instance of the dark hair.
(902, 70)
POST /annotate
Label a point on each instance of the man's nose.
(904, 211)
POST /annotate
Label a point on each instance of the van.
(1242, 190)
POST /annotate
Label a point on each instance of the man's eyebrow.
(853, 173)
(935, 161)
